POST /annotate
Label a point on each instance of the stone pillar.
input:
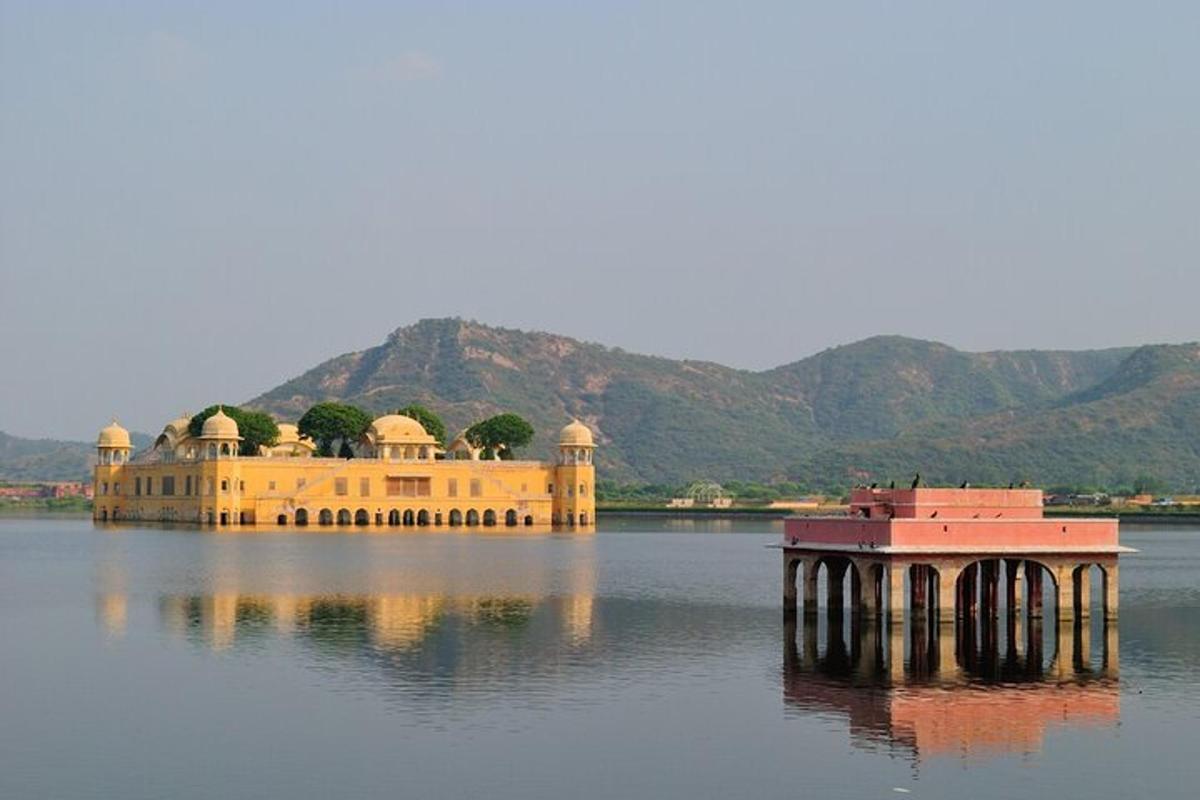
(868, 595)
(988, 580)
(1033, 576)
(1083, 594)
(916, 598)
(969, 607)
(1065, 579)
(791, 565)
(835, 598)
(810, 587)
(895, 571)
(1111, 581)
(1012, 586)
(855, 590)
(947, 592)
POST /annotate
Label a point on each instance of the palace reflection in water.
(976, 688)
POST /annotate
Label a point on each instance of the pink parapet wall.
(952, 520)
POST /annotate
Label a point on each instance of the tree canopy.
(327, 423)
(256, 428)
(500, 435)
(430, 421)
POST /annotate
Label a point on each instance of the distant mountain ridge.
(50, 459)
(877, 409)
(882, 407)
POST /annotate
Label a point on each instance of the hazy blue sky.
(200, 200)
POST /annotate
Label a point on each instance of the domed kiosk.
(395, 437)
(220, 436)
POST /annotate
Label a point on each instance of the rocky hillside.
(877, 409)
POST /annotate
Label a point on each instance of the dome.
(219, 426)
(576, 435)
(398, 429)
(113, 436)
(288, 433)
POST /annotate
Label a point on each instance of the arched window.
(343, 516)
(472, 517)
(528, 520)
(301, 516)
(325, 517)
(456, 517)
(225, 448)
(423, 453)
(361, 517)
(583, 490)
(422, 517)
(393, 517)
(510, 517)
(409, 519)
(395, 451)
(408, 453)
(489, 517)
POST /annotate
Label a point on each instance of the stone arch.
(301, 516)
(393, 517)
(224, 448)
(362, 517)
(489, 517)
(343, 516)
(472, 517)
(224, 516)
(510, 517)
(281, 520)
(583, 518)
(104, 515)
(456, 517)
(528, 520)
(325, 517)
(408, 518)
(423, 517)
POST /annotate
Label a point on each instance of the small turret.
(113, 445)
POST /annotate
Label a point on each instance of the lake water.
(649, 660)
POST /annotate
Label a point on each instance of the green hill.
(881, 407)
(49, 459)
(875, 410)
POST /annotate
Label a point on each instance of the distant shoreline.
(1130, 517)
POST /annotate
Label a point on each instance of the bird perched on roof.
(965, 485)
(916, 480)
(874, 485)
(934, 514)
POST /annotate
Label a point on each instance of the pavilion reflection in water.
(974, 688)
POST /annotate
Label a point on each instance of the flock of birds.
(917, 482)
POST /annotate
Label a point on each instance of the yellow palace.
(403, 479)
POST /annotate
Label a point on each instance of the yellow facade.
(402, 479)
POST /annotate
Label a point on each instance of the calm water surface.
(650, 660)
